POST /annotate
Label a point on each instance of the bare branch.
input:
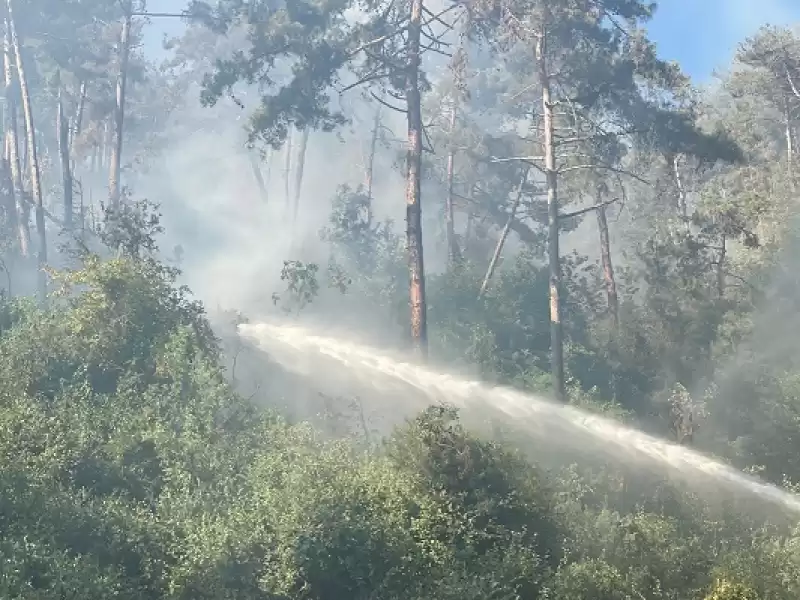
(524, 159)
(583, 211)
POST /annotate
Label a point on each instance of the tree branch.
(183, 15)
(604, 168)
(400, 30)
(376, 75)
(386, 104)
(793, 87)
(524, 159)
(583, 211)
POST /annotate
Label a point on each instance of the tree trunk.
(19, 211)
(453, 251)
(8, 200)
(503, 237)
(419, 323)
(287, 170)
(723, 254)
(369, 169)
(789, 145)
(298, 176)
(26, 162)
(36, 181)
(268, 163)
(66, 171)
(78, 123)
(11, 154)
(373, 148)
(104, 143)
(608, 267)
(551, 175)
(262, 186)
(119, 111)
(683, 203)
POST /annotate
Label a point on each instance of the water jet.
(557, 424)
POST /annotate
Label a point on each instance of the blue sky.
(700, 34)
(703, 34)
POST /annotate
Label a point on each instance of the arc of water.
(556, 418)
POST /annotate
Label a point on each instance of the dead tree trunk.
(608, 267)
(453, 251)
(66, 170)
(416, 269)
(119, 111)
(36, 181)
(298, 175)
(553, 230)
(503, 237)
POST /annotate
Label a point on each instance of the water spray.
(557, 423)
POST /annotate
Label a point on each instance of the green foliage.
(725, 590)
(129, 469)
(311, 37)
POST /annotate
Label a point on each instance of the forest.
(521, 190)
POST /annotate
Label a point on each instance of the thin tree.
(119, 108)
(8, 200)
(62, 126)
(553, 232)
(369, 175)
(607, 265)
(262, 186)
(458, 67)
(268, 164)
(298, 175)
(35, 173)
(453, 251)
(77, 125)
(11, 150)
(287, 169)
(498, 250)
